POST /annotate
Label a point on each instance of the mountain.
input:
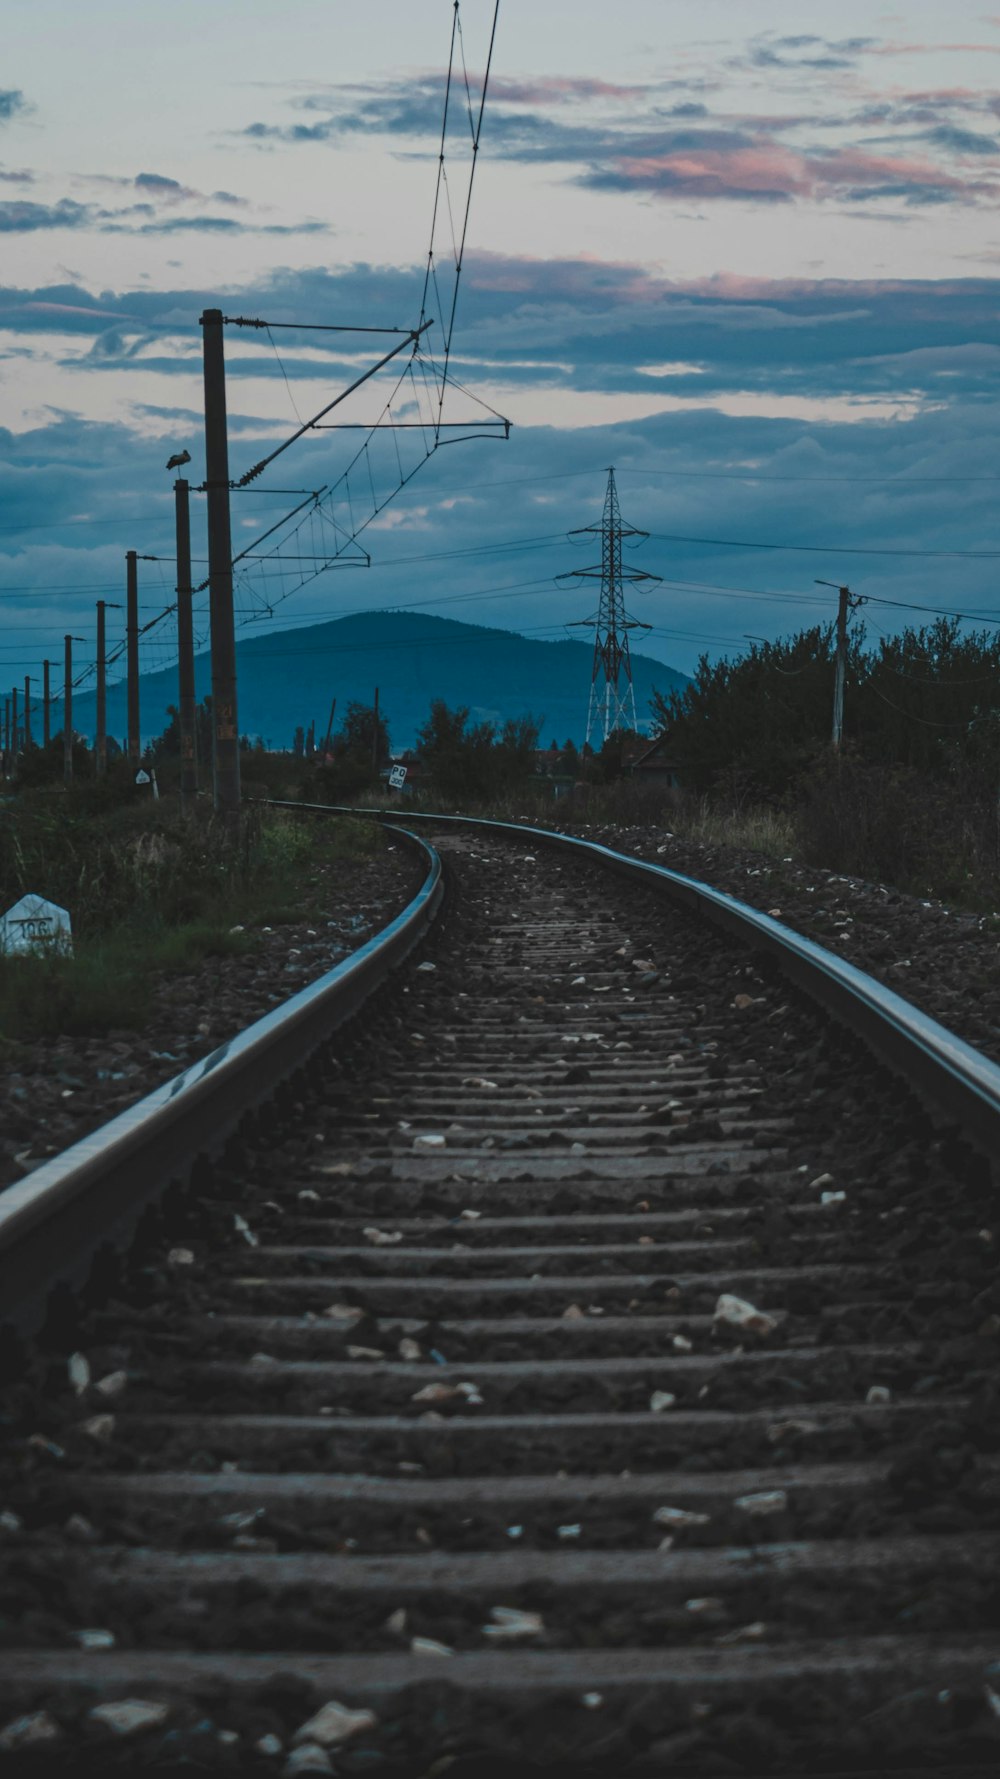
(288, 677)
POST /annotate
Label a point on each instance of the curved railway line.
(585, 1358)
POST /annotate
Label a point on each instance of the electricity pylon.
(612, 699)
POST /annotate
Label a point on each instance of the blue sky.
(750, 259)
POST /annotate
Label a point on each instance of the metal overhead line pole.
(13, 717)
(68, 709)
(101, 735)
(185, 643)
(46, 705)
(612, 698)
(134, 743)
(27, 711)
(225, 732)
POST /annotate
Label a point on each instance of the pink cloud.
(933, 49)
(852, 166)
(769, 171)
(714, 172)
(558, 90)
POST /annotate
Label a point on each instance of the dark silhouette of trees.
(469, 761)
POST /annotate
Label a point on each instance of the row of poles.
(17, 732)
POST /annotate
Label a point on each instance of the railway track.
(590, 1362)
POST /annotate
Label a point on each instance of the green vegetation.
(149, 892)
(912, 797)
(480, 761)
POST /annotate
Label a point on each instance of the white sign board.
(34, 925)
(142, 776)
(397, 777)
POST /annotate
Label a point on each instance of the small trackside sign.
(33, 924)
(397, 777)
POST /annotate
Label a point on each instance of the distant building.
(653, 763)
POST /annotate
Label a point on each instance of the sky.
(745, 254)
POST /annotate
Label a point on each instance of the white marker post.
(34, 925)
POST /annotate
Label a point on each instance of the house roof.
(656, 753)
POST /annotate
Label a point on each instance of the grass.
(627, 804)
(151, 894)
(763, 830)
(889, 825)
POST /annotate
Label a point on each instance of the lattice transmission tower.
(612, 699)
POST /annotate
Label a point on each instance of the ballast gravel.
(945, 960)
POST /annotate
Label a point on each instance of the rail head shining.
(54, 1221)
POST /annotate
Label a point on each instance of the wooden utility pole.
(132, 657)
(68, 713)
(6, 731)
(46, 705)
(220, 573)
(27, 712)
(844, 607)
(185, 644)
(101, 736)
(841, 675)
(329, 729)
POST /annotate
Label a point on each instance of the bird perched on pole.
(179, 459)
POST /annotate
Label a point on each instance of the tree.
(611, 760)
(357, 734)
(753, 725)
(514, 751)
(476, 761)
(168, 745)
(759, 726)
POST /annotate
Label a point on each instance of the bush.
(149, 892)
(894, 824)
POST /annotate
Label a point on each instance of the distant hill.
(288, 677)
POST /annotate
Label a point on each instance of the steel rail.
(964, 1084)
(53, 1222)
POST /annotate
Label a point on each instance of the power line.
(730, 543)
(925, 722)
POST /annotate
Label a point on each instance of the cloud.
(12, 103)
(963, 141)
(565, 90)
(654, 140)
(216, 225)
(18, 216)
(159, 183)
(87, 492)
(583, 328)
(781, 469)
(796, 53)
(767, 172)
